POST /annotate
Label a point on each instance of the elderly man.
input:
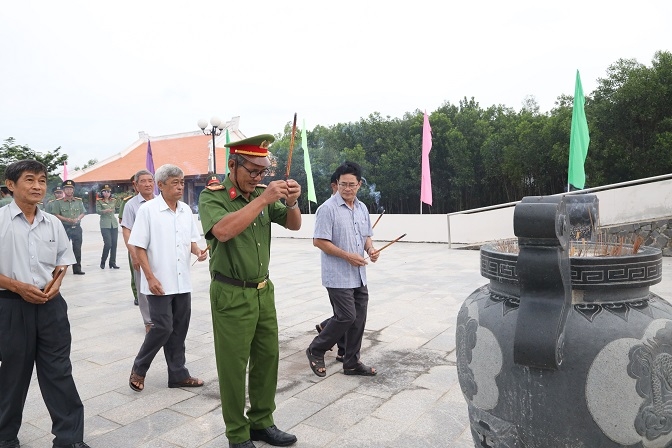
(236, 218)
(143, 182)
(164, 235)
(34, 327)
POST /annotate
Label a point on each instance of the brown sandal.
(188, 382)
(136, 382)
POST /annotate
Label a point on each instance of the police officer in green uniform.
(109, 227)
(70, 210)
(236, 217)
(5, 196)
(57, 191)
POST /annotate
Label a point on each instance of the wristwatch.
(292, 207)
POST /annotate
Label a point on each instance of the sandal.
(316, 364)
(136, 382)
(188, 382)
(361, 369)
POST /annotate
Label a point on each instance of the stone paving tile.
(143, 430)
(153, 400)
(345, 412)
(196, 432)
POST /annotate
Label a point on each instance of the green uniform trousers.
(245, 327)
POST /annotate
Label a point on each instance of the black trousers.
(170, 316)
(350, 308)
(75, 235)
(110, 237)
(38, 335)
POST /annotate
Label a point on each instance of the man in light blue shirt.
(343, 234)
(34, 327)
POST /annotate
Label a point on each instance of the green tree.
(11, 152)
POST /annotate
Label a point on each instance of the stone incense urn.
(566, 346)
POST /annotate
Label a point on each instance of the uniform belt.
(232, 281)
(7, 294)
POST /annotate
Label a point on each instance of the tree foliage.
(488, 156)
(11, 152)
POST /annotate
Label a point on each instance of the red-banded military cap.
(212, 180)
(254, 149)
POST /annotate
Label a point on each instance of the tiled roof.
(189, 151)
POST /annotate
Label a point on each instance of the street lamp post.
(217, 127)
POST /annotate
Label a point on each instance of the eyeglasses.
(255, 173)
(349, 186)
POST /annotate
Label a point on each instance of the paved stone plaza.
(416, 290)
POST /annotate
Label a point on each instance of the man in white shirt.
(164, 235)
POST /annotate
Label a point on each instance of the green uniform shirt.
(68, 209)
(6, 200)
(49, 205)
(107, 219)
(246, 256)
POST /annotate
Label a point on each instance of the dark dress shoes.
(245, 444)
(135, 302)
(273, 436)
(12, 443)
(113, 266)
(79, 272)
(102, 265)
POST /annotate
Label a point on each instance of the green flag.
(306, 164)
(579, 139)
(226, 156)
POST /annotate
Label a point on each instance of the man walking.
(144, 184)
(236, 218)
(343, 234)
(164, 234)
(34, 327)
(70, 210)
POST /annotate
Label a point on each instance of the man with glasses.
(236, 217)
(343, 234)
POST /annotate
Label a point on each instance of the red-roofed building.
(191, 151)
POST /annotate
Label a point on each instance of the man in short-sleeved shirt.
(164, 235)
(236, 217)
(144, 184)
(34, 327)
(343, 234)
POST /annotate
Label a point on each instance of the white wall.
(617, 206)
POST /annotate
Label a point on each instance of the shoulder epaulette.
(215, 187)
(78, 199)
(262, 185)
(50, 201)
(59, 199)
(127, 198)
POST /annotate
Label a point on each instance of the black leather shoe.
(102, 265)
(113, 266)
(79, 273)
(245, 444)
(12, 443)
(135, 302)
(73, 445)
(273, 436)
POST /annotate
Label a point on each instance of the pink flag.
(65, 171)
(426, 183)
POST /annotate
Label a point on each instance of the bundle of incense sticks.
(53, 280)
(207, 248)
(389, 244)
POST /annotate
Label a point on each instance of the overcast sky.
(88, 75)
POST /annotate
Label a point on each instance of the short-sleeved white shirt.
(167, 237)
(30, 252)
